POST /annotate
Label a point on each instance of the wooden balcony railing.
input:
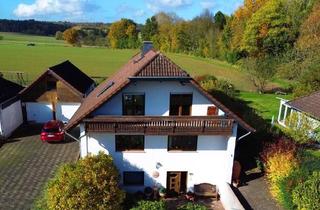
(161, 125)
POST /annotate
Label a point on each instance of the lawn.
(267, 105)
(15, 55)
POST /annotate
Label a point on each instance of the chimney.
(146, 46)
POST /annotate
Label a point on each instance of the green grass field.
(15, 55)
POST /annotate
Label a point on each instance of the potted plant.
(162, 192)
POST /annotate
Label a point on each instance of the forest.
(267, 38)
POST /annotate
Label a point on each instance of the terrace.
(161, 125)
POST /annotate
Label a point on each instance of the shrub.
(150, 205)
(211, 83)
(279, 160)
(91, 183)
(192, 206)
(307, 194)
(301, 128)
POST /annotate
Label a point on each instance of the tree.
(123, 34)
(91, 183)
(59, 35)
(261, 70)
(269, 31)
(71, 36)
(310, 30)
(150, 29)
(220, 20)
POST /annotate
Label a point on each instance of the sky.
(108, 10)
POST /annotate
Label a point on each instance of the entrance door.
(177, 181)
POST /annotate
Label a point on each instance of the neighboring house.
(10, 107)
(307, 106)
(56, 94)
(159, 125)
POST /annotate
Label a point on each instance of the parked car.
(52, 131)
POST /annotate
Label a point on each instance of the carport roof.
(8, 89)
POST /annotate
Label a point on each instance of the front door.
(177, 181)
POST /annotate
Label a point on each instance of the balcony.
(161, 125)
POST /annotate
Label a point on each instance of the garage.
(56, 94)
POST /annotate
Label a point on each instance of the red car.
(52, 131)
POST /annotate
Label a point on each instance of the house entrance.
(177, 181)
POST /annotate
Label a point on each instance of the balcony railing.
(161, 125)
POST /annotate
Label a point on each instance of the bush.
(150, 205)
(192, 206)
(301, 128)
(307, 194)
(1, 37)
(211, 83)
(91, 183)
(279, 160)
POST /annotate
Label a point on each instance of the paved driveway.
(26, 164)
(255, 194)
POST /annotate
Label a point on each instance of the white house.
(307, 107)
(56, 94)
(159, 125)
(10, 107)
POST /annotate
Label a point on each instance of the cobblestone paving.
(26, 164)
(255, 194)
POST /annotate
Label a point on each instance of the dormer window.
(133, 104)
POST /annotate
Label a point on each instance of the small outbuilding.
(56, 94)
(10, 107)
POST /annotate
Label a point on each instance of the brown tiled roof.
(309, 104)
(161, 66)
(151, 61)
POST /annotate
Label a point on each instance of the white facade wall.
(10, 118)
(211, 163)
(157, 98)
(64, 111)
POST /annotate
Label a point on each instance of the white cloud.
(164, 5)
(207, 4)
(49, 7)
(139, 13)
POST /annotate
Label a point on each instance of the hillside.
(15, 55)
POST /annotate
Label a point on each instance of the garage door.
(64, 111)
(39, 112)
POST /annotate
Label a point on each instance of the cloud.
(164, 5)
(139, 13)
(125, 10)
(57, 7)
(207, 4)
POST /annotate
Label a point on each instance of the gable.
(38, 91)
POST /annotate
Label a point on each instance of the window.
(133, 104)
(180, 104)
(131, 178)
(129, 142)
(51, 85)
(182, 143)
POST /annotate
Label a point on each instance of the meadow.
(16, 55)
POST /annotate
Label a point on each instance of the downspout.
(247, 134)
